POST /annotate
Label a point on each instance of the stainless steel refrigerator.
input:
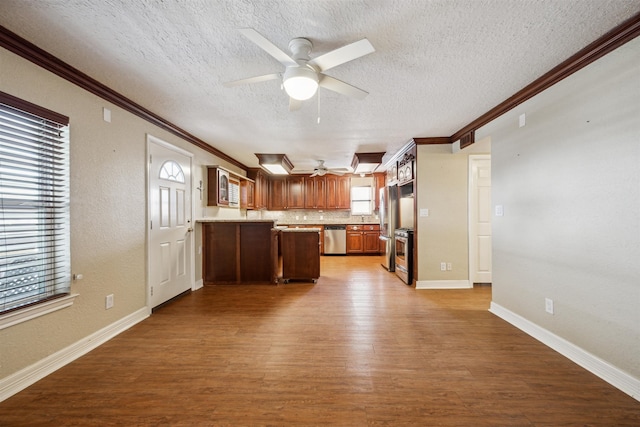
(388, 214)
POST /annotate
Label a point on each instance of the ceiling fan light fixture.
(275, 164)
(300, 83)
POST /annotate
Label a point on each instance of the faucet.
(362, 218)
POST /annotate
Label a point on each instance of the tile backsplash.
(302, 216)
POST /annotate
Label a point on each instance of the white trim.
(31, 374)
(36, 310)
(614, 376)
(443, 284)
(198, 284)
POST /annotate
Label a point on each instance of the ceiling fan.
(322, 170)
(303, 75)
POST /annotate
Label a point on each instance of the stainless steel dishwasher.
(335, 239)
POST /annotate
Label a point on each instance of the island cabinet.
(238, 252)
(363, 239)
(300, 253)
(338, 192)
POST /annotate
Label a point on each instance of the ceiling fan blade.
(335, 172)
(341, 87)
(256, 79)
(294, 104)
(267, 46)
(343, 54)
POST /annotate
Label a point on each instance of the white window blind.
(34, 204)
(361, 200)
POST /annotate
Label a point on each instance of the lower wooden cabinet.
(238, 252)
(363, 239)
(300, 254)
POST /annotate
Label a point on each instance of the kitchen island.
(300, 253)
(239, 251)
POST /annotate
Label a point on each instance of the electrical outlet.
(108, 302)
(449, 266)
(443, 266)
(548, 305)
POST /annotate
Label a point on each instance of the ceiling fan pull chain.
(318, 105)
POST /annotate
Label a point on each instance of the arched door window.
(171, 171)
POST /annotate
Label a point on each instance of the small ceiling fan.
(322, 170)
(303, 75)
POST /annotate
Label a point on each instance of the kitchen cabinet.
(295, 192)
(238, 252)
(363, 239)
(338, 192)
(261, 188)
(315, 192)
(380, 180)
(247, 194)
(217, 186)
(286, 193)
(277, 193)
(300, 253)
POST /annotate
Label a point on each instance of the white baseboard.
(198, 284)
(609, 373)
(31, 374)
(443, 284)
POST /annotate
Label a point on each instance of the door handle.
(189, 230)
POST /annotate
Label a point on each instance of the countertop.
(266, 221)
(299, 230)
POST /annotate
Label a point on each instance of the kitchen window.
(361, 200)
(34, 211)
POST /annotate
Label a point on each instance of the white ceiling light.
(300, 83)
(276, 164)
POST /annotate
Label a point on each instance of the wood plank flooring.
(357, 348)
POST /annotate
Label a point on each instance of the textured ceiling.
(438, 65)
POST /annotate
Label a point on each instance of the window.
(171, 171)
(34, 205)
(361, 200)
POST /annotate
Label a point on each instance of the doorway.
(170, 237)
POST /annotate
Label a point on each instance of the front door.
(170, 227)
(480, 218)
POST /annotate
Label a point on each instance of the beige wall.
(569, 182)
(442, 184)
(108, 212)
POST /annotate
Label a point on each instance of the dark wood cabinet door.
(315, 192)
(219, 252)
(371, 242)
(338, 190)
(277, 194)
(343, 200)
(295, 192)
(355, 243)
(321, 192)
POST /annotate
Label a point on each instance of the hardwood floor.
(357, 348)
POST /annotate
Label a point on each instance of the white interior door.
(170, 227)
(480, 219)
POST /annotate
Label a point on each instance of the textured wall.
(108, 213)
(569, 182)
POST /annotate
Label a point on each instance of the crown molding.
(33, 53)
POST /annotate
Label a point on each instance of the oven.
(404, 254)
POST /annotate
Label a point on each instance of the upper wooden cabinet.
(295, 192)
(315, 192)
(338, 192)
(261, 188)
(380, 180)
(277, 193)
